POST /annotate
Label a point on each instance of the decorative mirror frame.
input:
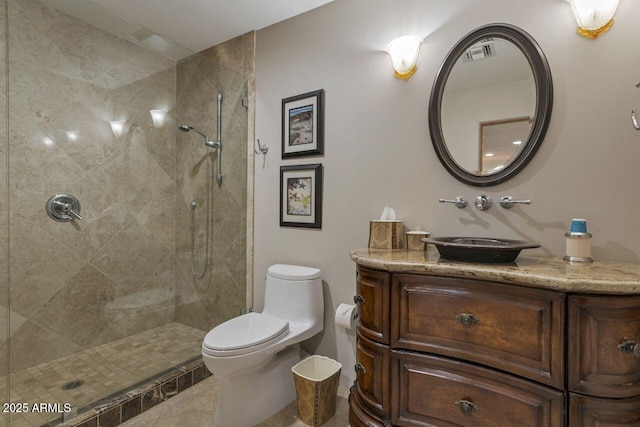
(544, 102)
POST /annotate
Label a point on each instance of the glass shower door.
(4, 225)
(92, 298)
(100, 303)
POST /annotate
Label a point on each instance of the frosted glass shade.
(117, 127)
(594, 17)
(158, 117)
(404, 55)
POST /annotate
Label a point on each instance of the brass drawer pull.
(468, 319)
(358, 299)
(359, 369)
(630, 347)
(466, 407)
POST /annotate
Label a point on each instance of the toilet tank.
(294, 292)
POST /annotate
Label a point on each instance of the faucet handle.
(460, 202)
(507, 202)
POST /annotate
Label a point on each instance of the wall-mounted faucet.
(483, 202)
(459, 201)
(507, 202)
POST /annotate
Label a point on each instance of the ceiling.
(191, 24)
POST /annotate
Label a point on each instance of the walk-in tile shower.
(93, 306)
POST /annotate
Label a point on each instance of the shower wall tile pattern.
(4, 215)
(70, 281)
(124, 269)
(221, 294)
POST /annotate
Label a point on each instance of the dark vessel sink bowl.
(479, 249)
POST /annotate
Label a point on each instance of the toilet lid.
(293, 272)
(245, 333)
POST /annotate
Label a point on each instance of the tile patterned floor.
(105, 370)
(196, 407)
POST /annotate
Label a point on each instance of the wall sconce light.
(117, 126)
(594, 16)
(404, 55)
(158, 117)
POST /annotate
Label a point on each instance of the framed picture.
(303, 125)
(301, 196)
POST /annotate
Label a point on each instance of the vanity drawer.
(433, 391)
(585, 411)
(516, 329)
(597, 325)
(372, 299)
(372, 375)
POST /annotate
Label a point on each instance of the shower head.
(207, 141)
(185, 128)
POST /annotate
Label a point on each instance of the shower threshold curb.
(126, 404)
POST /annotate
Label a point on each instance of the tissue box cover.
(386, 235)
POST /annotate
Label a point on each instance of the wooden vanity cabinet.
(598, 325)
(598, 368)
(372, 300)
(587, 411)
(515, 329)
(436, 391)
(443, 352)
(372, 375)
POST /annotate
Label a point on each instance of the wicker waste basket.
(316, 379)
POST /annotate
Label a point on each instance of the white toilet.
(252, 355)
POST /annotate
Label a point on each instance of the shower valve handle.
(67, 209)
(63, 207)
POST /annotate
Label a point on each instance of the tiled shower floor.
(105, 370)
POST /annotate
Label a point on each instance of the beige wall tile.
(221, 293)
(68, 81)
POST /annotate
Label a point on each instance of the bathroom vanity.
(538, 342)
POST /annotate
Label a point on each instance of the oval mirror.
(490, 104)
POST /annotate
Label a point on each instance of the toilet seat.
(244, 334)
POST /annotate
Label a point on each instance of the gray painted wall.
(379, 153)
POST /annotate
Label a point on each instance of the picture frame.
(303, 125)
(301, 196)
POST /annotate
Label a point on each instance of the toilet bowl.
(254, 353)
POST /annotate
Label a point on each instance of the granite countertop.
(604, 277)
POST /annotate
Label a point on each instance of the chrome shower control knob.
(483, 202)
(63, 207)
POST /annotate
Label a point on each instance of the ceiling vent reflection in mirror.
(482, 50)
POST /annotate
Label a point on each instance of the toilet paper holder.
(346, 316)
(355, 315)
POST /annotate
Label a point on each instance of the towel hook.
(263, 148)
(634, 115)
